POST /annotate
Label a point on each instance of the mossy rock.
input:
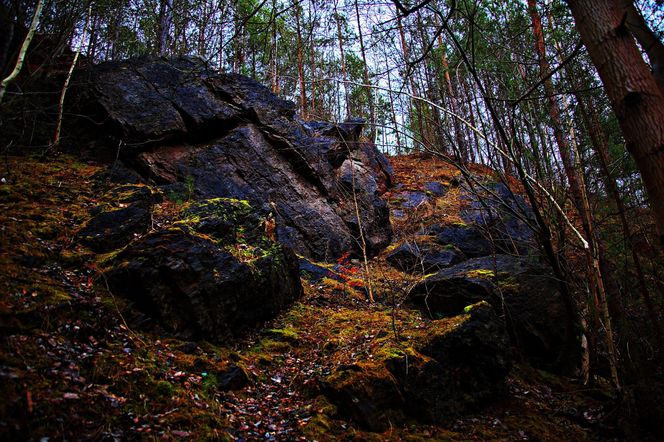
(524, 292)
(454, 365)
(208, 275)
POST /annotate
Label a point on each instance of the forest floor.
(76, 363)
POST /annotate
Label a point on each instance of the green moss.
(481, 274)
(285, 334)
(392, 247)
(509, 284)
(469, 308)
(225, 209)
(164, 389)
(394, 351)
(210, 384)
(268, 351)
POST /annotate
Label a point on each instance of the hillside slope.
(79, 362)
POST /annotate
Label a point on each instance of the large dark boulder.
(457, 365)
(525, 293)
(211, 274)
(464, 367)
(224, 135)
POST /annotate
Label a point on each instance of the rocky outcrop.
(525, 293)
(419, 256)
(210, 274)
(211, 135)
(457, 365)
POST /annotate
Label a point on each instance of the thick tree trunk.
(648, 40)
(635, 96)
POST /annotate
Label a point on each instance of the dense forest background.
(505, 84)
(323, 54)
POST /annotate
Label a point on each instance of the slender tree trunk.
(6, 40)
(577, 188)
(202, 27)
(300, 61)
(274, 77)
(23, 51)
(92, 46)
(600, 146)
(632, 89)
(415, 108)
(312, 64)
(365, 74)
(238, 39)
(165, 14)
(392, 109)
(61, 106)
(344, 74)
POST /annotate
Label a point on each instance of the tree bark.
(165, 11)
(632, 89)
(648, 40)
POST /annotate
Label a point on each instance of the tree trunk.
(569, 153)
(24, 49)
(344, 75)
(61, 104)
(648, 40)
(300, 61)
(312, 64)
(392, 109)
(632, 89)
(365, 73)
(274, 72)
(165, 11)
(415, 108)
